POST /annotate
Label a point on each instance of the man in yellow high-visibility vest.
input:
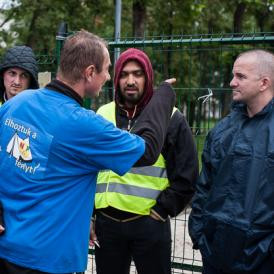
(132, 211)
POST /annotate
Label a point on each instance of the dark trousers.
(145, 241)
(10, 268)
(265, 268)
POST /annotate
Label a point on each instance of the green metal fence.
(201, 64)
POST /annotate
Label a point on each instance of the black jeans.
(10, 268)
(209, 269)
(145, 241)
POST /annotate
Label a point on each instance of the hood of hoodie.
(139, 56)
(20, 57)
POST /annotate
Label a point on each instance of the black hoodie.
(20, 57)
(179, 148)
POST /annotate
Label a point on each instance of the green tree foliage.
(196, 67)
(35, 22)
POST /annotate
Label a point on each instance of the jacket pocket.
(223, 245)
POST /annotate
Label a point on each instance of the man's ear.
(265, 83)
(89, 72)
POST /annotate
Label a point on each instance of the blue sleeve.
(106, 147)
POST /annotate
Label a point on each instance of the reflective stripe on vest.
(138, 189)
(153, 171)
(128, 190)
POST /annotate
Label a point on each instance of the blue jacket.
(232, 218)
(51, 152)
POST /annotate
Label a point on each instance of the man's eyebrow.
(239, 74)
(25, 73)
(135, 70)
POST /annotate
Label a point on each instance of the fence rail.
(194, 39)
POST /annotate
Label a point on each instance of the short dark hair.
(81, 50)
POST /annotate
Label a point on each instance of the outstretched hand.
(171, 81)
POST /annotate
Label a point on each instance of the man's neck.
(257, 105)
(129, 105)
(62, 87)
(76, 87)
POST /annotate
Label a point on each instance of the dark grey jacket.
(232, 218)
(21, 57)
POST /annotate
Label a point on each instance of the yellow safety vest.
(138, 189)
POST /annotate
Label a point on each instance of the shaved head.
(264, 61)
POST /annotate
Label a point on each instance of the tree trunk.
(139, 18)
(32, 36)
(226, 96)
(237, 28)
(190, 115)
(238, 17)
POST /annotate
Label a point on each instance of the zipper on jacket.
(129, 125)
(130, 119)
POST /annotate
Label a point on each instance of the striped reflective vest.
(138, 189)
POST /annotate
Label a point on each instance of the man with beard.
(132, 211)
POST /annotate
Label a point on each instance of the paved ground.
(182, 251)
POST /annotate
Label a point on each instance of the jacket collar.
(240, 107)
(59, 86)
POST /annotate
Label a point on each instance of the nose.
(130, 80)
(17, 79)
(108, 76)
(233, 82)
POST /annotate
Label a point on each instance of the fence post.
(60, 37)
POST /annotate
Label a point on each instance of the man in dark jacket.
(132, 211)
(18, 71)
(232, 218)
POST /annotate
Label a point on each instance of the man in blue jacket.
(51, 152)
(232, 218)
